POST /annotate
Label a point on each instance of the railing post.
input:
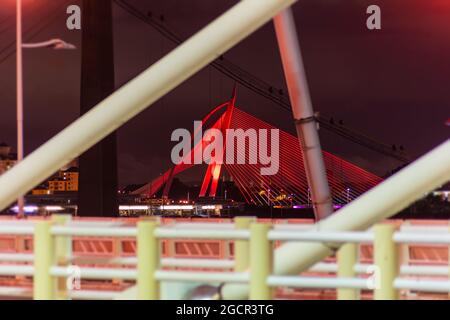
(44, 285)
(261, 262)
(347, 257)
(117, 253)
(386, 261)
(63, 253)
(242, 247)
(148, 254)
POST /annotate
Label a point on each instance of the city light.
(175, 207)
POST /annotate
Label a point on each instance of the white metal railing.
(148, 269)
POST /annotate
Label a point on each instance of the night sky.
(392, 84)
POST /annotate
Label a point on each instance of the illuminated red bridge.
(287, 187)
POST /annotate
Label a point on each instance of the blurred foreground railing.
(54, 267)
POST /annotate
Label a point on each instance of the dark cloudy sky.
(392, 84)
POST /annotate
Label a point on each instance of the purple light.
(27, 209)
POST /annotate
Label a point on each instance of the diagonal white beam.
(391, 196)
(302, 110)
(205, 46)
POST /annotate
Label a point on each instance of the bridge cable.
(266, 90)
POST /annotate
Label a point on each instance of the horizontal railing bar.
(15, 291)
(201, 234)
(423, 285)
(94, 231)
(102, 260)
(404, 269)
(95, 273)
(15, 270)
(424, 270)
(16, 230)
(293, 227)
(235, 277)
(198, 263)
(208, 225)
(16, 257)
(317, 282)
(435, 238)
(321, 236)
(93, 295)
(423, 228)
(200, 225)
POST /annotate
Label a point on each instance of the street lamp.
(54, 44)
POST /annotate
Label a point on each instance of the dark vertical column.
(98, 166)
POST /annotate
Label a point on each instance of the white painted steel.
(320, 236)
(16, 270)
(389, 197)
(316, 282)
(16, 257)
(95, 273)
(170, 233)
(16, 230)
(423, 285)
(93, 231)
(229, 277)
(197, 263)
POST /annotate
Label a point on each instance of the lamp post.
(54, 44)
(19, 98)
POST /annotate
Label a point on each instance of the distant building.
(70, 176)
(443, 192)
(42, 189)
(7, 158)
(63, 181)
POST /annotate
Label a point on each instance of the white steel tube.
(129, 261)
(201, 225)
(184, 61)
(96, 273)
(318, 236)
(15, 291)
(416, 270)
(167, 233)
(198, 263)
(14, 270)
(302, 110)
(16, 257)
(16, 230)
(317, 282)
(423, 285)
(93, 231)
(93, 295)
(405, 228)
(435, 238)
(19, 97)
(391, 196)
(229, 277)
(424, 270)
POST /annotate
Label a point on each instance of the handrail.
(59, 232)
